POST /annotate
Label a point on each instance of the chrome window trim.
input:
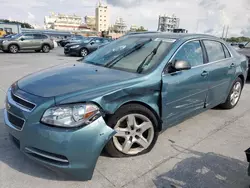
(199, 39)
(24, 108)
(10, 124)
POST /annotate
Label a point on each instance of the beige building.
(91, 22)
(102, 17)
(168, 23)
(62, 22)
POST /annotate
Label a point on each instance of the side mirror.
(181, 65)
(22, 39)
(91, 43)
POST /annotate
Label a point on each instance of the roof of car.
(186, 36)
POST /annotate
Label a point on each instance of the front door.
(26, 42)
(184, 92)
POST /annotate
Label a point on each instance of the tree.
(141, 29)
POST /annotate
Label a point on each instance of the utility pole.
(223, 31)
(227, 32)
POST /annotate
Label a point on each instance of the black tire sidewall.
(227, 104)
(126, 110)
(44, 50)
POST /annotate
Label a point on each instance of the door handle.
(204, 73)
(232, 65)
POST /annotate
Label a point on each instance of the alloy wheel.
(46, 48)
(235, 95)
(84, 52)
(135, 133)
(13, 49)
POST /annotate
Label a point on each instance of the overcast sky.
(204, 16)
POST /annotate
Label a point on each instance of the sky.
(202, 16)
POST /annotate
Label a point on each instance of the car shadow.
(205, 170)
(15, 159)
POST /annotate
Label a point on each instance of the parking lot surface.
(204, 151)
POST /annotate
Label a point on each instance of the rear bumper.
(71, 151)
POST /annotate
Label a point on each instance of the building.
(62, 22)
(133, 28)
(10, 27)
(102, 17)
(168, 23)
(119, 26)
(91, 22)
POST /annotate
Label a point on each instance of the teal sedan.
(120, 97)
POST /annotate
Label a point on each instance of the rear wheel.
(84, 52)
(13, 48)
(234, 95)
(45, 48)
(136, 128)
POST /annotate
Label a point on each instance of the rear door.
(221, 69)
(38, 40)
(27, 41)
(184, 92)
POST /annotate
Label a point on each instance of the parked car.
(247, 152)
(86, 47)
(120, 97)
(28, 41)
(73, 39)
(246, 52)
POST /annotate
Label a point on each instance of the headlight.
(71, 115)
(75, 46)
(4, 41)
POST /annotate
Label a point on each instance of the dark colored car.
(86, 47)
(73, 39)
(246, 51)
(120, 97)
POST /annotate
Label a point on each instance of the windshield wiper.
(126, 53)
(151, 55)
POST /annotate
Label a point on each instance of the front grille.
(15, 121)
(24, 103)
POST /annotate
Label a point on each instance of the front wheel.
(13, 48)
(234, 95)
(136, 128)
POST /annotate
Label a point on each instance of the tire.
(13, 48)
(46, 48)
(37, 50)
(115, 147)
(234, 95)
(83, 52)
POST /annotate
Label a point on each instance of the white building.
(168, 23)
(119, 26)
(102, 17)
(62, 22)
(91, 22)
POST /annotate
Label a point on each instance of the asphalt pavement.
(204, 151)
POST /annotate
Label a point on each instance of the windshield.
(129, 53)
(16, 36)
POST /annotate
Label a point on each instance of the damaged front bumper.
(74, 152)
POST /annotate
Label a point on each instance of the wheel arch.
(242, 79)
(151, 108)
(47, 45)
(14, 44)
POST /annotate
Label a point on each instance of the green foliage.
(23, 25)
(238, 39)
(141, 29)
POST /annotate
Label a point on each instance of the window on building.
(104, 20)
(100, 19)
(191, 53)
(215, 50)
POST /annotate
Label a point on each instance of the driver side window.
(191, 53)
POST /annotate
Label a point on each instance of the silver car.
(29, 41)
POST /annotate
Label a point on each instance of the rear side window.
(227, 53)
(28, 36)
(215, 50)
(39, 36)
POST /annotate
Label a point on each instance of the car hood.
(70, 78)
